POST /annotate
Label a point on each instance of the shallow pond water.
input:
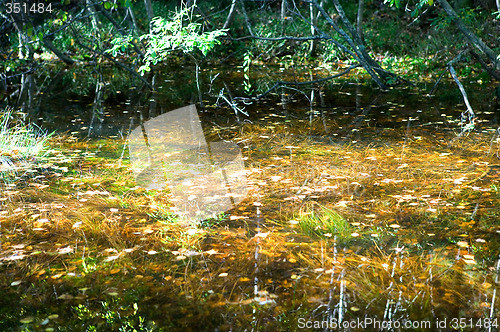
(362, 210)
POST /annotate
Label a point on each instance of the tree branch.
(478, 43)
(462, 90)
(117, 26)
(307, 38)
(107, 56)
(285, 83)
(66, 59)
(361, 55)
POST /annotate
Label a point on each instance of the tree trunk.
(312, 17)
(132, 18)
(93, 16)
(247, 21)
(230, 15)
(19, 21)
(478, 43)
(149, 10)
(359, 20)
(283, 9)
(353, 32)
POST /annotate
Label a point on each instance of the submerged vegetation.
(324, 222)
(356, 205)
(360, 229)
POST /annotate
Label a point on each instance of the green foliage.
(470, 17)
(179, 33)
(167, 35)
(163, 214)
(211, 222)
(419, 4)
(111, 318)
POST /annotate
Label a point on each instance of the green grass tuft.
(19, 143)
(324, 222)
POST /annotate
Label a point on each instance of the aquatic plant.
(323, 222)
(19, 143)
(113, 316)
(163, 214)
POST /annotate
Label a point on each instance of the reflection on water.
(344, 205)
(205, 179)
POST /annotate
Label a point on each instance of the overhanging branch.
(286, 83)
(110, 58)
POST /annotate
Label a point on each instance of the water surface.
(361, 206)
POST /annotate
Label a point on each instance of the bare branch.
(462, 90)
(306, 38)
(286, 83)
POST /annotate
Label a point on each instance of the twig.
(247, 21)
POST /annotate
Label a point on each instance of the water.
(364, 210)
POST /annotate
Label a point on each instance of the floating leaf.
(27, 320)
(65, 297)
(111, 258)
(65, 250)
(237, 217)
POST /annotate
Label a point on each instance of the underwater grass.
(120, 235)
(323, 222)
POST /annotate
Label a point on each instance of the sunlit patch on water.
(170, 151)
